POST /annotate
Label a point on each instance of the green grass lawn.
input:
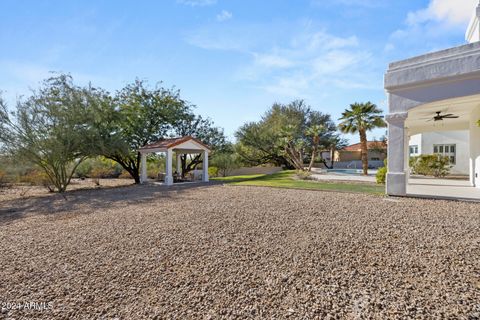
(286, 179)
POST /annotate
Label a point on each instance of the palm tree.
(362, 117)
(314, 132)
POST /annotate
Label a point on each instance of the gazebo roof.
(186, 142)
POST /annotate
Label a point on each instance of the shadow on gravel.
(84, 201)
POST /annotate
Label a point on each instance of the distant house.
(351, 156)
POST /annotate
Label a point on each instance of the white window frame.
(442, 150)
(415, 148)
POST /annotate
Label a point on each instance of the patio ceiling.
(418, 118)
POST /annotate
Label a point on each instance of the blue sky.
(231, 58)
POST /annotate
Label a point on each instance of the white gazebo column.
(475, 148)
(179, 164)
(143, 168)
(168, 168)
(397, 173)
(205, 166)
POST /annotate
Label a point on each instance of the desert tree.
(284, 135)
(314, 133)
(51, 128)
(203, 129)
(134, 117)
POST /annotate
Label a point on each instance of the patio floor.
(442, 188)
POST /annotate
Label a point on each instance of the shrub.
(381, 175)
(103, 173)
(304, 175)
(225, 163)
(430, 165)
(3, 179)
(125, 175)
(99, 168)
(213, 171)
(38, 178)
(84, 169)
(153, 169)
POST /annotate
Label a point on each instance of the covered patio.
(442, 189)
(429, 87)
(178, 146)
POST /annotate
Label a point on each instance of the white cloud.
(291, 86)
(197, 3)
(312, 61)
(224, 15)
(272, 61)
(432, 28)
(457, 12)
(357, 3)
(336, 61)
(295, 62)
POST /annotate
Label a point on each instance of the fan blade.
(451, 117)
(446, 115)
(432, 119)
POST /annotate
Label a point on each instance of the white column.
(397, 174)
(475, 148)
(143, 168)
(179, 164)
(205, 166)
(168, 168)
(407, 155)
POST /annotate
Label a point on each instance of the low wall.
(254, 170)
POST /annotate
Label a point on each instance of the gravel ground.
(238, 252)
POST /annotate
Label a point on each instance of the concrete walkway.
(417, 186)
(442, 188)
(318, 174)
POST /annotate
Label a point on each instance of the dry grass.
(19, 191)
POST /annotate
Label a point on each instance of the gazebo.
(179, 146)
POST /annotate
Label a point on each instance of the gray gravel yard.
(238, 252)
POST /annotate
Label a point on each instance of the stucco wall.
(345, 156)
(425, 142)
(255, 170)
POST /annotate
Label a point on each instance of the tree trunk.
(186, 168)
(294, 157)
(312, 160)
(364, 148)
(136, 178)
(332, 155)
(130, 165)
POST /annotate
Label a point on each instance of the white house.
(454, 144)
(442, 86)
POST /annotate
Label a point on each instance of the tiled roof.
(172, 142)
(370, 145)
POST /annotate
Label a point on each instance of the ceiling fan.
(439, 117)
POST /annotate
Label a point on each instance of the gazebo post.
(168, 168)
(205, 166)
(179, 164)
(143, 168)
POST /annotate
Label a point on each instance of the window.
(448, 150)
(375, 159)
(413, 150)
